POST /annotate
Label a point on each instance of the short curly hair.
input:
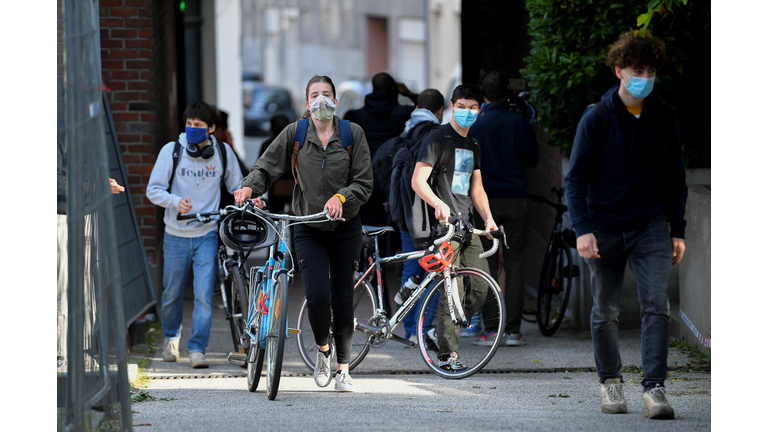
(637, 51)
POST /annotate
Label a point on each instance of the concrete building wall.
(696, 269)
(444, 30)
(289, 42)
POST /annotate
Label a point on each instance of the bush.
(566, 67)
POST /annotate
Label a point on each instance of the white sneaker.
(655, 405)
(612, 396)
(171, 350)
(322, 374)
(344, 382)
(197, 360)
(515, 339)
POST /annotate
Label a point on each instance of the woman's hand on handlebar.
(243, 194)
(334, 207)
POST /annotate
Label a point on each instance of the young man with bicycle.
(194, 183)
(626, 193)
(456, 187)
(509, 148)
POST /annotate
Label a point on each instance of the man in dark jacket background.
(381, 118)
(626, 195)
(509, 147)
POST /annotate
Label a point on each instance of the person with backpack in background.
(189, 174)
(626, 195)
(426, 116)
(509, 147)
(331, 164)
(447, 177)
(381, 118)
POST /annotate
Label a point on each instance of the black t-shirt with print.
(456, 158)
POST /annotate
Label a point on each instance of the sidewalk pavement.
(550, 383)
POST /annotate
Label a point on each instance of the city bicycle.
(446, 290)
(557, 270)
(232, 281)
(266, 324)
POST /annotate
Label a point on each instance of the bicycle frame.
(266, 275)
(451, 290)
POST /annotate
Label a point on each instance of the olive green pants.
(448, 332)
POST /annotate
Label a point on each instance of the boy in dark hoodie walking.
(626, 193)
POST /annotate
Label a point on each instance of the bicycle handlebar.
(498, 234)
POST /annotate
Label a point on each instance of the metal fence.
(92, 358)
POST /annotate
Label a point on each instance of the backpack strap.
(299, 135)
(603, 121)
(346, 136)
(176, 156)
(223, 152)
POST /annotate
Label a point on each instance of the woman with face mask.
(328, 176)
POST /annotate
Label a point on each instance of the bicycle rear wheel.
(364, 307)
(238, 305)
(435, 328)
(255, 364)
(554, 288)
(278, 325)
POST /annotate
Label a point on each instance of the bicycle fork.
(453, 298)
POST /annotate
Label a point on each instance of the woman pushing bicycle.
(331, 164)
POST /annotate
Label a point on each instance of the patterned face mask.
(322, 108)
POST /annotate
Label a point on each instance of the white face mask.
(322, 108)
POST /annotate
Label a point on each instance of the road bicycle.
(557, 270)
(232, 282)
(266, 324)
(454, 290)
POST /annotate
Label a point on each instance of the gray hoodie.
(196, 178)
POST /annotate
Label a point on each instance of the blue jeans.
(649, 251)
(411, 268)
(178, 254)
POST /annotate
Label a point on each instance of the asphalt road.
(549, 384)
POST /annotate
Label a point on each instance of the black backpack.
(407, 209)
(382, 160)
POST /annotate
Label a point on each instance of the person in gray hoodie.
(195, 185)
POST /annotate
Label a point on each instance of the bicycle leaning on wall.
(557, 271)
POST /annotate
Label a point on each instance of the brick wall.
(127, 71)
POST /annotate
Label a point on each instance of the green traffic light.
(182, 6)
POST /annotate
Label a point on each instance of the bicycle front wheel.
(255, 364)
(364, 308)
(238, 305)
(554, 288)
(439, 337)
(278, 325)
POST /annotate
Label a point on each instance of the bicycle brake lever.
(503, 237)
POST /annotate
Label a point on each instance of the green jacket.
(321, 173)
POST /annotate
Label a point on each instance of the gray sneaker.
(171, 351)
(197, 360)
(322, 374)
(655, 405)
(344, 382)
(515, 339)
(612, 396)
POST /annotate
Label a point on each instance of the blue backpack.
(300, 135)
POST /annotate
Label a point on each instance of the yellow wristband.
(341, 197)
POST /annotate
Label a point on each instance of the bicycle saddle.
(376, 231)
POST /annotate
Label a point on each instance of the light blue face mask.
(639, 87)
(465, 117)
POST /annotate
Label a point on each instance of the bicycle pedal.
(237, 359)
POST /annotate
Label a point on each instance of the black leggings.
(337, 252)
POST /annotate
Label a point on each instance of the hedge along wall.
(567, 70)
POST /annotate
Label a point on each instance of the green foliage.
(566, 66)
(660, 7)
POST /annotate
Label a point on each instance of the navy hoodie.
(637, 174)
(509, 146)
